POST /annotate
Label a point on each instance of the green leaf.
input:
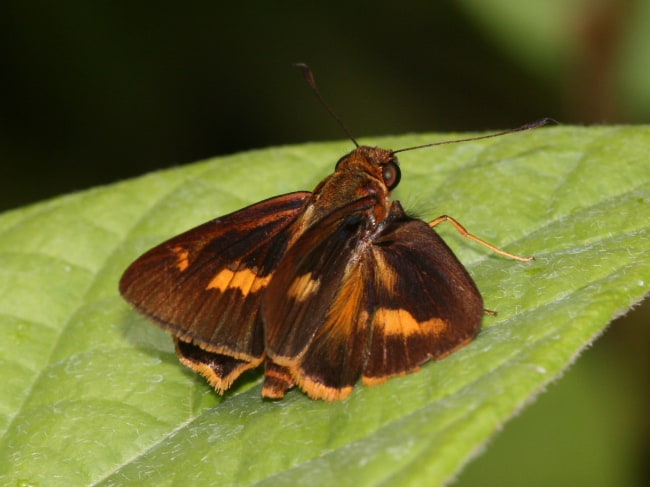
(92, 394)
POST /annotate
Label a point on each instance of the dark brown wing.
(349, 300)
(314, 306)
(426, 303)
(205, 285)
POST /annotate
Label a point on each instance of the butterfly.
(321, 288)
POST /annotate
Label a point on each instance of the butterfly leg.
(277, 380)
(461, 229)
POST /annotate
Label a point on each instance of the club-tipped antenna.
(309, 76)
(527, 126)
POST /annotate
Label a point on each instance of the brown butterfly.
(323, 288)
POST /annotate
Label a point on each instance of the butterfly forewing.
(315, 311)
(205, 285)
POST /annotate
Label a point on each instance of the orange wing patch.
(385, 275)
(182, 257)
(303, 287)
(347, 306)
(402, 323)
(396, 322)
(245, 280)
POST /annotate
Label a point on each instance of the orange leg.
(461, 229)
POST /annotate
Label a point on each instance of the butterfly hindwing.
(351, 300)
(205, 286)
(427, 305)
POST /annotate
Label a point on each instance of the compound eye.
(391, 174)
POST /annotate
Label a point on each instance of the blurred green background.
(94, 92)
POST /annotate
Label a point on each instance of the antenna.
(309, 76)
(526, 126)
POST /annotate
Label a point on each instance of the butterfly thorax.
(360, 179)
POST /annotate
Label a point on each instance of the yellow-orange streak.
(385, 275)
(303, 287)
(401, 322)
(344, 314)
(182, 258)
(245, 280)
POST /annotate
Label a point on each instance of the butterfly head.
(380, 164)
